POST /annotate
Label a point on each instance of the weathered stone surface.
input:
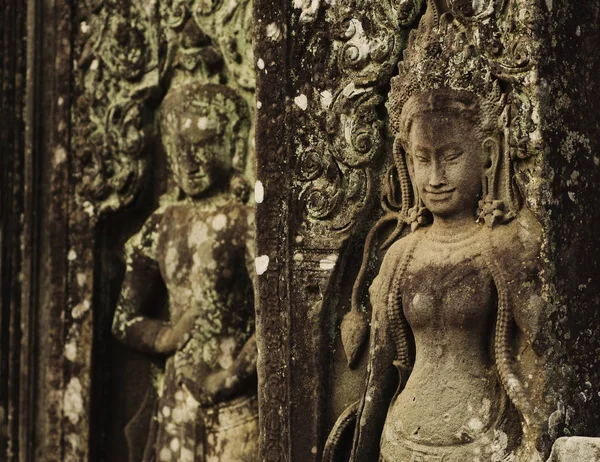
(575, 448)
(84, 167)
(510, 51)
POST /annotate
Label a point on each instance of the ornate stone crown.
(468, 64)
(443, 54)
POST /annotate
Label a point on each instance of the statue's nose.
(190, 162)
(437, 176)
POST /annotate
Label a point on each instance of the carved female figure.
(456, 300)
(198, 247)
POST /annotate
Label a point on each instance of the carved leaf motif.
(354, 331)
(368, 40)
(117, 73)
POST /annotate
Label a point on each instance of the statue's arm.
(132, 324)
(242, 373)
(245, 364)
(382, 377)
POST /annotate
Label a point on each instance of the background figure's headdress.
(447, 67)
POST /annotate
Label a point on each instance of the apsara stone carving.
(456, 303)
(200, 247)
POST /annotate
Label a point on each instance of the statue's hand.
(173, 338)
(220, 386)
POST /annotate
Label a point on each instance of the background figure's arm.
(242, 373)
(142, 281)
(381, 382)
(130, 325)
(245, 364)
(236, 379)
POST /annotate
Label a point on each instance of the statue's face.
(446, 164)
(198, 151)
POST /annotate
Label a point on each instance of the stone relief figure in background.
(457, 302)
(200, 247)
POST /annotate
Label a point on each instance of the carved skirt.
(490, 447)
(232, 431)
(186, 432)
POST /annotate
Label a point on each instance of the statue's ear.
(410, 165)
(239, 153)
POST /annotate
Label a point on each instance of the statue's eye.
(453, 155)
(422, 158)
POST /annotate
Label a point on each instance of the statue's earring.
(491, 209)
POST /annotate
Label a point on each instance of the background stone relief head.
(204, 130)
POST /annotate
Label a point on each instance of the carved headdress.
(447, 68)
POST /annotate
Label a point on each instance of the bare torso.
(201, 255)
(453, 396)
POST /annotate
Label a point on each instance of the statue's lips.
(195, 177)
(440, 195)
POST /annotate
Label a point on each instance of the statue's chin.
(197, 189)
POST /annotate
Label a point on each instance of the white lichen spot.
(273, 32)
(219, 222)
(259, 192)
(71, 350)
(186, 455)
(258, 105)
(301, 101)
(475, 425)
(227, 347)
(80, 309)
(165, 455)
(326, 99)
(174, 445)
(166, 411)
(299, 239)
(578, 31)
(60, 101)
(187, 123)
(198, 234)
(204, 123)
(314, 450)
(81, 278)
(94, 65)
(85, 27)
(499, 446)
(72, 255)
(261, 264)
(60, 155)
(171, 260)
(260, 64)
(571, 195)
(88, 208)
(328, 263)
(298, 257)
(73, 401)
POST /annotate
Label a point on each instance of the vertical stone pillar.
(571, 179)
(323, 149)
